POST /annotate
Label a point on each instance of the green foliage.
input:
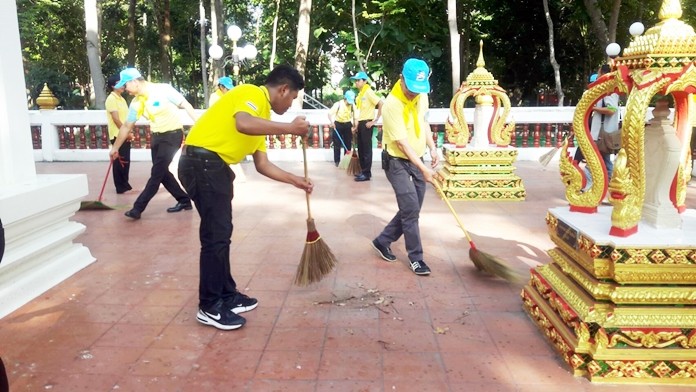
(514, 33)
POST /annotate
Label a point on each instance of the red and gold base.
(618, 311)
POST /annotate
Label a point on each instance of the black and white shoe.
(384, 251)
(220, 317)
(420, 268)
(241, 303)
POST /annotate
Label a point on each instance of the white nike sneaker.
(220, 317)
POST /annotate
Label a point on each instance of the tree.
(454, 44)
(204, 73)
(552, 55)
(94, 52)
(162, 12)
(301, 48)
(131, 33)
(605, 34)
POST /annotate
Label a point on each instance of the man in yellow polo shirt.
(116, 112)
(366, 102)
(406, 136)
(226, 133)
(160, 103)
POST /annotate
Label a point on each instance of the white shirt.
(611, 121)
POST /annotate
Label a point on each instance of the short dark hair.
(605, 69)
(285, 74)
(111, 82)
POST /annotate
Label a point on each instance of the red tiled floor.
(127, 322)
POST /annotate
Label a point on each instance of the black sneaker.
(241, 303)
(133, 214)
(420, 268)
(384, 251)
(220, 317)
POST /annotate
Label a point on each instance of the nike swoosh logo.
(216, 317)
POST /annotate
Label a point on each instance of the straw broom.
(354, 166)
(547, 157)
(317, 259)
(483, 261)
(345, 160)
(97, 204)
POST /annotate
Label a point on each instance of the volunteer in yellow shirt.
(224, 85)
(366, 102)
(236, 126)
(116, 111)
(406, 137)
(342, 114)
(159, 103)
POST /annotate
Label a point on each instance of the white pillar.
(35, 209)
(16, 156)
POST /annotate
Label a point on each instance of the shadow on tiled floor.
(127, 322)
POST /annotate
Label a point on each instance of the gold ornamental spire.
(670, 43)
(480, 76)
(670, 10)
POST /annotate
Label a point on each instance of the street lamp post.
(238, 55)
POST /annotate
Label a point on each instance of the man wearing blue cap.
(342, 115)
(365, 103)
(159, 103)
(224, 85)
(406, 137)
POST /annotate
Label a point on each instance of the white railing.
(538, 128)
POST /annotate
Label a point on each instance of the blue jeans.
(610, 169)
(409, 187)
(209, 182)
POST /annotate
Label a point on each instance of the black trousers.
(209, 182)
(365, 147)
(163, 148)
(343, 129)
(121, 167)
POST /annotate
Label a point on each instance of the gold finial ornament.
(46, 100)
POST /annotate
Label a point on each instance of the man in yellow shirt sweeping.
(406, 137)
(160, 104)
(226, 133)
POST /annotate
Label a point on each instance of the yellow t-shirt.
(398, 126)
(342, 111)
(159, 103)
(366, 102)
(115, 103)
(215, 97)
(216, 130)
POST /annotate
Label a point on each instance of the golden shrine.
(482, 169)
(618, 300)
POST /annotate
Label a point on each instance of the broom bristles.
(546, 158)
(345, 160)
(494, 266)
(317, 259)
(354, 165)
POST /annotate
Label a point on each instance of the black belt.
(162, 133)
(193, 151)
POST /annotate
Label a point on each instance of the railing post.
(327, 138)
(537, 132)
(525, 135)
(548, 136)
(315, 136)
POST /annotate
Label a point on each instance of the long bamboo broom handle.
(306, 175)
(461, 225)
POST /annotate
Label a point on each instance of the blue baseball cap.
(226, 81)
(360, 75)
(349, 96)
(127, 75)
(416, 73)
(593, 78)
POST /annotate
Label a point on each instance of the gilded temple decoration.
(483, 87)
(659, 62)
